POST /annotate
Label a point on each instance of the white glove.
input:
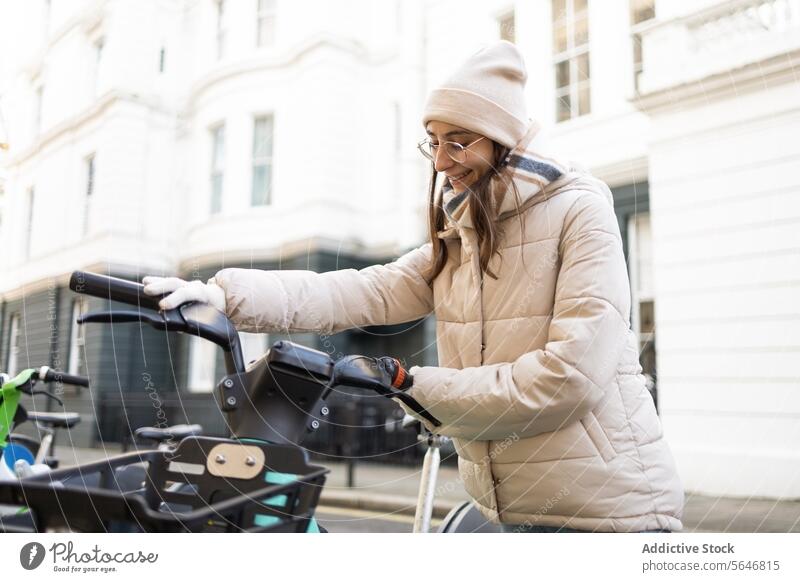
(180, 292)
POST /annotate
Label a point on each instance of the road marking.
(397, 517)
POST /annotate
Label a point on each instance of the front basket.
(179, 491)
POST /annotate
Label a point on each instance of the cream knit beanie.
(485, 95)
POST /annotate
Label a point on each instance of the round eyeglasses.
(455, 151)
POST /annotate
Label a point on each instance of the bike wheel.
(467, 519)
(30, 444)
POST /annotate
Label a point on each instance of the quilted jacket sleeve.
(300, 301)
(546, 389)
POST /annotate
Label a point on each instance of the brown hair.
(482, 213)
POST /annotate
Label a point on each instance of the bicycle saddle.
(177, 432)
(55, 419)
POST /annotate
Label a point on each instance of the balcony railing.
(718, 39)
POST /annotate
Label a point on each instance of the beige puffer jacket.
(539, 382)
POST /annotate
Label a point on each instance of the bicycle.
(258, 479)
(22, 456)
(16, 447)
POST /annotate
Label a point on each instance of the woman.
(539, 383)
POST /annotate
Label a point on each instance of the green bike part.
(9, 402)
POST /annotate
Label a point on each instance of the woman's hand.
(367, 372)
(178, 292)
(386, 376)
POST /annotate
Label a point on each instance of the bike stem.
(427, 484)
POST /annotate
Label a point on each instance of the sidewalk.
(390, 488)
(393, 489)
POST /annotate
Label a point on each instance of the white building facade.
(181, 136)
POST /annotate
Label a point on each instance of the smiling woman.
(477, 115)
(469, 168)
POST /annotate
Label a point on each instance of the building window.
(642, 11)
(29, 223)
(398, 16)
(97, 61)
(265, 27)
(46, 19)
(398, 128)
(571, 53)
(202, 364)
(221, 29)
(76, 340)
(217, 167)
(640, 259)
(12, 361)
(262, 160)
(254, 345)
(89, 169)
(507, 27)
(430, 353)
(37, 111)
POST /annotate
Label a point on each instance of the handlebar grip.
(112, 288)
(72, 379)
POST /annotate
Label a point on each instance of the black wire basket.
(204, 485)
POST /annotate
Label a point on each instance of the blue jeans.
(526, 528)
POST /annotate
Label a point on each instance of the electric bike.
(258, 479)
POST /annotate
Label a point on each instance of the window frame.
(38, 109)
(201, 379)
(262, 160)
(77, 340)
(98, 50)
(636, 28)
(502, 19)
(254, 345)
(262, 16)
(640, 272)
(29, 220)
(221, 29)
(12, 355)
(571, 55)
(90, 181)
(217, 168)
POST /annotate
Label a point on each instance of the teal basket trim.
(279, 500)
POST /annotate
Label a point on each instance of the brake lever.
(408, 400)
(390, 392)
(28, 388)
(170, 320)
(49, 395)
(119, 316)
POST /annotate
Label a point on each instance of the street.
(345, 520)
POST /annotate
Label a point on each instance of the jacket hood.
(537, 176)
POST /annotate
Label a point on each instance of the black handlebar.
(112, 288)
(51, 375)
(192, 318)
